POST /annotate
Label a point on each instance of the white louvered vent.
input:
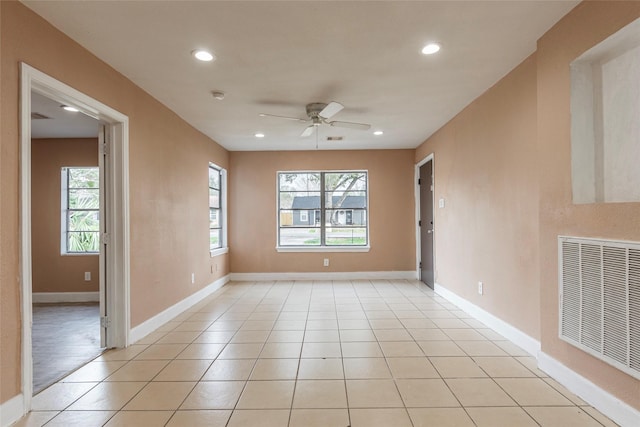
(600, 299)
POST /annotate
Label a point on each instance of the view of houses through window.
(322, 208)
(81, 210)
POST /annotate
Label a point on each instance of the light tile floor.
(304, 354)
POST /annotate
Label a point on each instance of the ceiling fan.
(319, 113)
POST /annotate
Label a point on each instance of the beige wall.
(585, 26)
(504, 167)
(168, 180)
(53, 272)
(485, 169)
(252, 197)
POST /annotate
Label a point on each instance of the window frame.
(322, 226)
(222, 210)
(65, 209)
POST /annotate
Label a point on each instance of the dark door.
(426, 223)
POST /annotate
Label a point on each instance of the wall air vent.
(335, 138)
(38, 116)
(600, 299)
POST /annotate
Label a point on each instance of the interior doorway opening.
(112, 274)
(66, 251)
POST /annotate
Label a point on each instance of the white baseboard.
(608, 404)
(529, 344)
(337, 275)
(150, 325)
(11, 410)
(54, 297)
(603, 401)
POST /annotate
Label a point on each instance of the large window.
(217, 209)
(81, 210)
(323, 209)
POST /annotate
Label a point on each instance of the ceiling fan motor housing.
(314, 109)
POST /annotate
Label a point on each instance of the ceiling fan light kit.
(319, 113)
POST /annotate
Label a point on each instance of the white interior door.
(103, 158)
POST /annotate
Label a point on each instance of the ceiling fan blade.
(331, 110)
(351, 125)
(307, 131)
(282, 117)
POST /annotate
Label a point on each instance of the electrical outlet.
(87, 276)
(326, 262)
(480, 288)
(193, 277)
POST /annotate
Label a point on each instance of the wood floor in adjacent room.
(305, 354)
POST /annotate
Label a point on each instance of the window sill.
(218, 252)
(323, 249)
(80, 254)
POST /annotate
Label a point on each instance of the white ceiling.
(59, 123)
(276, 56)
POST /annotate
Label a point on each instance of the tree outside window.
(81, 207)
(322, 209)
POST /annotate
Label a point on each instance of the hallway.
(343, 353)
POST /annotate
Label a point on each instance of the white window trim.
(279, 248)
(217, 252)
(323, 248)
(223, 211)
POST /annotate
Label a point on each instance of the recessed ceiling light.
(431, 48)
(259, 135)
(378, 133)
(203, 55)
(69, 108)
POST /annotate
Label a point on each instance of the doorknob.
(429, 231)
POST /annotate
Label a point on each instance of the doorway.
(67, 284)
(425, 222)
(113, 234)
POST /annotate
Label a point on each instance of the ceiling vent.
(38, 116)
(600, 299)
(335, 138)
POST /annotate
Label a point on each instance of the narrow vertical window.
(217, 208)
(81, 210)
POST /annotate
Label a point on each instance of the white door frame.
(116, 212)
(430, 157)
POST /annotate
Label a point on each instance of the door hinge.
(432, 187)
(419, 181)
(420, 264)
(105, 322)
(106, 238)
(104, 148)
(420, 223)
